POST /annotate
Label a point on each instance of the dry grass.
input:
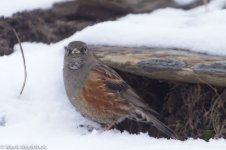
(191, 110)
(24, 62)
(201, 113)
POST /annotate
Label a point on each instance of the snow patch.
(9, 7)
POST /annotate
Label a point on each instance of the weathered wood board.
(167, 64)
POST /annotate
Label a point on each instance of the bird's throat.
(76, 63)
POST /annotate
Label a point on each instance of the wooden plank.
(167, 64)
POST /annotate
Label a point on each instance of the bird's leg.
(110, 125)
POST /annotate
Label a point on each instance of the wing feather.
(117, 85)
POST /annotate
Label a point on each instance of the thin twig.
(209, 85)
(25, 68)
(205, 2)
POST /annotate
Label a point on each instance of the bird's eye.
(83, 50)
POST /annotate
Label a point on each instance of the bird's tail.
(147, 117)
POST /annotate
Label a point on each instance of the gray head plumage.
(76, 54)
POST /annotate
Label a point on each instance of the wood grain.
(166, 64)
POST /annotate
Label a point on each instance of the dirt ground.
(191, 110)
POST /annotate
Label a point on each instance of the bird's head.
(77, 54)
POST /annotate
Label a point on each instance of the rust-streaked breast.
(104, 104)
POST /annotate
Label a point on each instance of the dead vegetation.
(201, 111)
(191, 110)
(24, 62)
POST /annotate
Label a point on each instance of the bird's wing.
(115, 84)
(100, 98)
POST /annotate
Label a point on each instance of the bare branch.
(205, 2)
(25, 68)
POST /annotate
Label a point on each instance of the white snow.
(198, 29)
(43, 115)
(183, 2)
(8, 7)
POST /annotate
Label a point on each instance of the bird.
(100, 94)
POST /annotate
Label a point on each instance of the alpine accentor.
(100, 94)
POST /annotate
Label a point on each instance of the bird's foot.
(109, 126)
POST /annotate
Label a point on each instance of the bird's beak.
(75, 51)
